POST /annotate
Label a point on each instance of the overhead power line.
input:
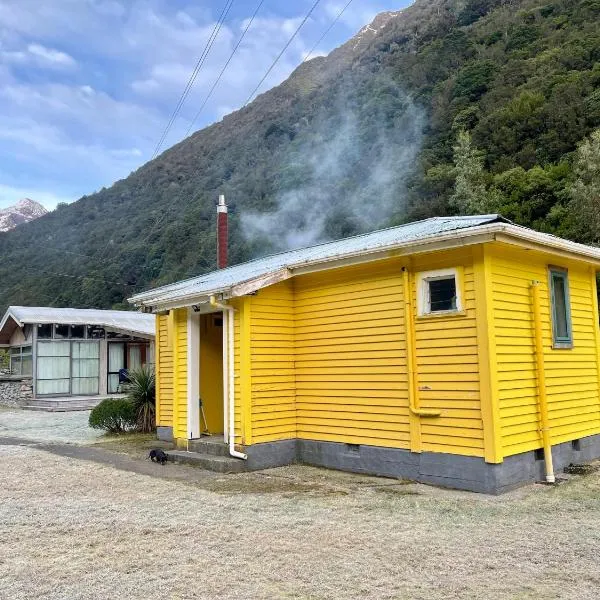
(212, 89)
(199, 63)
(337, 18)
(310, 12)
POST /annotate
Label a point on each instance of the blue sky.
(87, 86)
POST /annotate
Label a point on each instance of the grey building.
(75, 352)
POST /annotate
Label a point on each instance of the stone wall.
(15, 391)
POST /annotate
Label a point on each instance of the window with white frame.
(439, 292)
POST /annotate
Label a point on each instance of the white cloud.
(51, 56)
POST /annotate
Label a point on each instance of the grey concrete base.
(523, 468)
(271, 454)
(164, 434)
(447, 470)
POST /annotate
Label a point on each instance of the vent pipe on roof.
(221, 233)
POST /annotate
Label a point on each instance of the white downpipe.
(230, 367)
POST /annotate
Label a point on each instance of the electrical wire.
(199, 63)
(212, 89)
(310, 12)
(337, 18)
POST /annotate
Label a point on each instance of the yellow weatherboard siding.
(273, 379)
(237, 304)
(164, 372)
(180, 427)
(351, 367)
(571, 374)
(447, 365)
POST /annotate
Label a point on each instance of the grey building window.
(562, 329)
(21, 362)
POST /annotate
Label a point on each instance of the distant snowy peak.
(368, 32)
(23, 211)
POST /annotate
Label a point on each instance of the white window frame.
(423, 291)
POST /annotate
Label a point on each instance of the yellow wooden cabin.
(460, 351)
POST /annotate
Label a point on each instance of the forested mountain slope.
(449, 106)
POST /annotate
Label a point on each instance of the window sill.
(562, 346)
(442, 315)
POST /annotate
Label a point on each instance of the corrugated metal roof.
(123, 320)
(223, 279)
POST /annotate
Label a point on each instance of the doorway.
(211, 371)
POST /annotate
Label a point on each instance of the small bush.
(114, 416)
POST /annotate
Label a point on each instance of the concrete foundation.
(272, 454)
(164, 434)
(447, 470)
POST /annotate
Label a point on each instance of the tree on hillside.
(585, 190)
(470, 196)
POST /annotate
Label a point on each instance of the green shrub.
(114, 416)
(142, 395)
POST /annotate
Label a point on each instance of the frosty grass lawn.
(71, 528)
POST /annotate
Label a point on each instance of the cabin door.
(211, 372)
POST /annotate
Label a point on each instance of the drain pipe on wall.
(230, 366)
(411, 352)
(541, 381)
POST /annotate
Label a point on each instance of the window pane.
(54, 349)
(61, 331)
(86, 349)
(85, 386)
(560, 307)
(442, 294)
(15, 351)
(27, 366)
(15, 365)
(113, 384)
(95, 333)
(52, 386)
(53, 367)
(116, 357)
(26, 350)
(44, 332)
(85, 367)
(135, 358)
(78, 331)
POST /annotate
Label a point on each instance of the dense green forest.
(456, 106)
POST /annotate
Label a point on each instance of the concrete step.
(215, 446)
(63, 405)
(57, 409)
(210, 462)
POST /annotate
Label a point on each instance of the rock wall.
(15, 391)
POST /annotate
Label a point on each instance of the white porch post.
(225, 369)
(193, 374)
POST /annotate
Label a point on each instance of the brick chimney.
(221, 233)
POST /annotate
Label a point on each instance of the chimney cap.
(222, 200)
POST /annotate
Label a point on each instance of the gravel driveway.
(69, 427)
(74, 529)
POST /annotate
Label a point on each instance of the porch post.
(193, 374)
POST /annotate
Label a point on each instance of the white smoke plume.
(351, 180)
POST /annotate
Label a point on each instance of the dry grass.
(73, 529)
